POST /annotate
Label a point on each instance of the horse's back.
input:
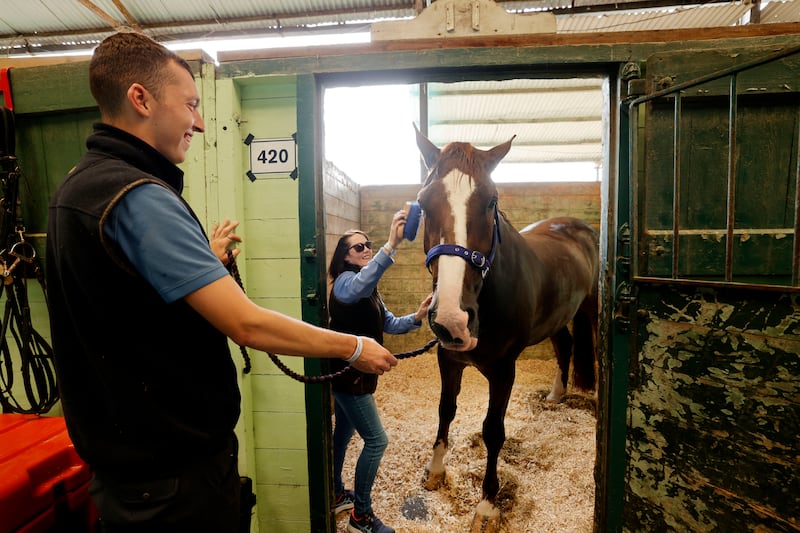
(565, 226)
(564, 233)
(567, 252)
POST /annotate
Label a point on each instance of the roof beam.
(108, 19)
(132, 22)
(576, 7)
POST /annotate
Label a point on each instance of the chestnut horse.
(496, 291)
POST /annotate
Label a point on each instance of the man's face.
(175, 115)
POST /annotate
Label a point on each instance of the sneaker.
(344, 502)
(369, 523)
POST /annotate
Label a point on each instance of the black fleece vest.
(364, 317)
(146, 387)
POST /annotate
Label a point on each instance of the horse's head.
(459, 201)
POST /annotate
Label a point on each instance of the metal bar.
(633, 194)
(730, 217)
(716, 283)
(711, 232)
(717, 75)
(676, 184)
(796, 246)
(424, 126)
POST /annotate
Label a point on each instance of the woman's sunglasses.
(360, 246)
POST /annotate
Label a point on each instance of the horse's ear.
(497, 153)
(430, 152)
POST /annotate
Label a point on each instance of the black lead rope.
(234, 270)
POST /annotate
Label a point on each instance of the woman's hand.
(223, 239)
(396, 229)
(423, 308)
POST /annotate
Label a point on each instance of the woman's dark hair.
(338, 264)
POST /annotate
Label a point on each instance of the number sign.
(272, 156)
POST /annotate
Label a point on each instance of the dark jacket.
(146, 387)
(364, 317)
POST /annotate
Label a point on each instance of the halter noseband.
(472, 257)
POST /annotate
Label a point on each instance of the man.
(141, 308)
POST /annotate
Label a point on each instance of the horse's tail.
(584, 330)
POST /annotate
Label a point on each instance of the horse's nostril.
(441, 332)
(470, 315)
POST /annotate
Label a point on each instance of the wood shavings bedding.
(546, 466)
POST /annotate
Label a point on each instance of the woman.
(356, 307)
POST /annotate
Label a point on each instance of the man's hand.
(374, 359)
(223, 239)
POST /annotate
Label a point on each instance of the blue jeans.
(358, 412)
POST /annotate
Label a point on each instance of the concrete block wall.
(342, 207)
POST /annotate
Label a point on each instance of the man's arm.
(226, 307)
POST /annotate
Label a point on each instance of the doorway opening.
(556, 166)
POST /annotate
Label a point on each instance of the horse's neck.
(514, 255)
(516, 265)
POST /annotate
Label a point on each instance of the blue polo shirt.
(163, 242)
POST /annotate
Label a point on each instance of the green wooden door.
(707, 322)
(313, 287)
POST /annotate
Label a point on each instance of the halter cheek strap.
(472, 257)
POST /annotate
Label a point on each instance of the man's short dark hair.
(123, 59)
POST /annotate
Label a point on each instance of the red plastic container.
(44, 485)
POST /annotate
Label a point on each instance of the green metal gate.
(706, 328)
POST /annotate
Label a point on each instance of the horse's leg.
(562, 345)
(584, 330)
(450, 373)
(501, 381)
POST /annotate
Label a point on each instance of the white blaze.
(458, 188)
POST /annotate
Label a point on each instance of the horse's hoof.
(554, 398)
(486, 519)
(433, 480)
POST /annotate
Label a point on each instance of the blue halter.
(472, 257)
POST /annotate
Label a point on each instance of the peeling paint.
(713, 422)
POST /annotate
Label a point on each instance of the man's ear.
(139, 98)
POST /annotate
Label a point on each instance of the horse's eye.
(492, 204)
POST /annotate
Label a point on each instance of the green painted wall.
(271, 266)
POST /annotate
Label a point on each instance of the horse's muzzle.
(458, 343)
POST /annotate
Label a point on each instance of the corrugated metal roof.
(781, 12)
(553, 119)
(46, 25)
(655, 19)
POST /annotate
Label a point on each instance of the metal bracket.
(625, 299)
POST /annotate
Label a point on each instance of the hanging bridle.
(234, 271)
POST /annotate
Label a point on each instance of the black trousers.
(202, 499)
